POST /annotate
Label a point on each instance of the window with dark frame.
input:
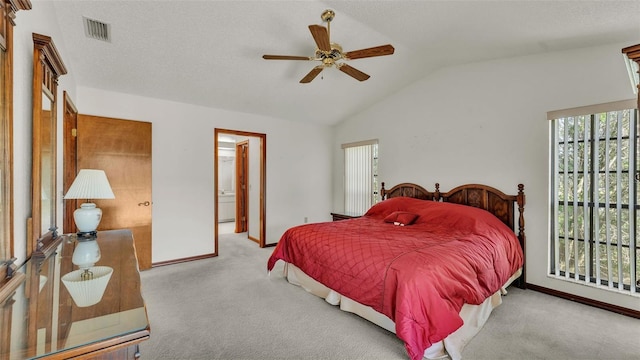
(594, 196)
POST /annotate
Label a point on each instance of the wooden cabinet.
(226, 207)
(343, 216)
(41, 319)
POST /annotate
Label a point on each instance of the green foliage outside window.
(595, 199)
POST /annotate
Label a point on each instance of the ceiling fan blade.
(370, 52)
(321, 36)
(353, 72)
(286, 57)
(312, 74)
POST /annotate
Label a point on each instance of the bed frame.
(481, 196)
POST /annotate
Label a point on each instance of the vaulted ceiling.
(209, 53)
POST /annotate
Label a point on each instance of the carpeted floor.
(230, 308)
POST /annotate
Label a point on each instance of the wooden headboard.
(409, 190)
(485, 197)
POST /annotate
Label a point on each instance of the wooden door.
(69, 163)
(242, 185)
(122, 148)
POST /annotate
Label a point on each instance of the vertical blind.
(360, 176)
(594, 205)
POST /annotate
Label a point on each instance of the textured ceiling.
(209, 53)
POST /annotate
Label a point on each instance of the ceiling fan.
(330, 54)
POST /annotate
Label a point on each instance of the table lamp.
(89, 184)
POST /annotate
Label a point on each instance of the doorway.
(239, 184)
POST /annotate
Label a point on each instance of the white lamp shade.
(87, 292)
(90, 184)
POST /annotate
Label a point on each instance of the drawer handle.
(146, 203)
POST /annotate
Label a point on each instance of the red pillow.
(401, 218)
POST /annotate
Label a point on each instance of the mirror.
(43, 304)
(7, 23)
(47, 189)
(47, 68)
(5, 149)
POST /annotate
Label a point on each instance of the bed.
(428, 266)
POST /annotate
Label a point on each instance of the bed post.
(436, 194)
(521, 199)
(383, 192)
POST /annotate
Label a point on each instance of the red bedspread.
(418, 275)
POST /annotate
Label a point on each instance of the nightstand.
(344, 216)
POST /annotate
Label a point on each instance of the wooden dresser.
(40, 319)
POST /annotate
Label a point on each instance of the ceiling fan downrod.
(327, 16)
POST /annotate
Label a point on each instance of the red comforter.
(418, 275)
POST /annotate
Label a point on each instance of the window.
(360, 176)
(594, 196)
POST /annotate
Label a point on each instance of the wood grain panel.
(122, 148)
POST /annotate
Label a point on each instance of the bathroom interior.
(226, 184)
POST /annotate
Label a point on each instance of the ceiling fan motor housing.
(334, 55)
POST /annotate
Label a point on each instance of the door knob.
(146, 203)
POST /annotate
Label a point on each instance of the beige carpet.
(229, 308)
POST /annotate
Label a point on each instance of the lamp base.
(87, 217)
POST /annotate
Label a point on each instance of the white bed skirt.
(474, 316)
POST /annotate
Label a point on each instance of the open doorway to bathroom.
(239, 184)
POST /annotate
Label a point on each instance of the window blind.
(360, 176)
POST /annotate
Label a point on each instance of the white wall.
(297, 162)
(486, 123)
